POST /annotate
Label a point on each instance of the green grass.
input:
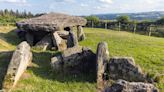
(148, 52)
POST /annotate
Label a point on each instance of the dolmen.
(52, 31)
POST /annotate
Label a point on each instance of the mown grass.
(148, 52)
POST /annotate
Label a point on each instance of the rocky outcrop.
(125, 68)
(102, 58)
(74, 60)
(125, 86)
(18, 64)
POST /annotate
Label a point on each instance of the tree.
(123, 19)
(93, 19)
(160, 21)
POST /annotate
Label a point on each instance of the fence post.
(92, 24)
(119, 26)
(150, 30)
(134, 28)
(105, 25)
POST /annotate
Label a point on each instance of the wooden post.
(150, 30)
(92, 24)
(106, 25)
(134, 28)
(119, 26)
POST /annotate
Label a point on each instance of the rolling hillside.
(148, 52)
(134, 16)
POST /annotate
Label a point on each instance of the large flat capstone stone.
(18, 64)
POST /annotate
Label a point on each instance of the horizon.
(82, 7)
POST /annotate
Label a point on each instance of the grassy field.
(148, 52)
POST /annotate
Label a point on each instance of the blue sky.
(83, 7)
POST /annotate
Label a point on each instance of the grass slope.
(148, 52)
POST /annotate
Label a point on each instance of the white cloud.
(14, 1)
(70, 1)
(106, 1)
(83, 5)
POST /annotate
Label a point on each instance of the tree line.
(126, 24)
(11, 16)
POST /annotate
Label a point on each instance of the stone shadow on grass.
(4, 62)
(11, 37)
(44, 70)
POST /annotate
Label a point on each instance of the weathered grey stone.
(74, 60)
(45, 43)
(51, 22)
(80, 33)
(124, 86)
(125, 68)
(18, 64)
(102, 60)
(59, 42)
(72, 40)
(57, 63)
(29, 38)
(63, 34)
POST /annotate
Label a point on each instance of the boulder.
(45, 43)
(18, 64)
(80, 33)
(125, 86)
(102, 58)
(125, 68)
(59, 42)
(74, 60)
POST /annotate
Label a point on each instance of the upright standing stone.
(18, 64)
(102, 59)
(59, 42)
(72, 40)
(80, 33)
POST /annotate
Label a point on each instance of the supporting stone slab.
(59, 42)
(45, 43)
(72, 40)
(18, 64)
(80, 33)
(101, 60)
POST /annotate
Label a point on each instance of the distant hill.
(134, 16)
